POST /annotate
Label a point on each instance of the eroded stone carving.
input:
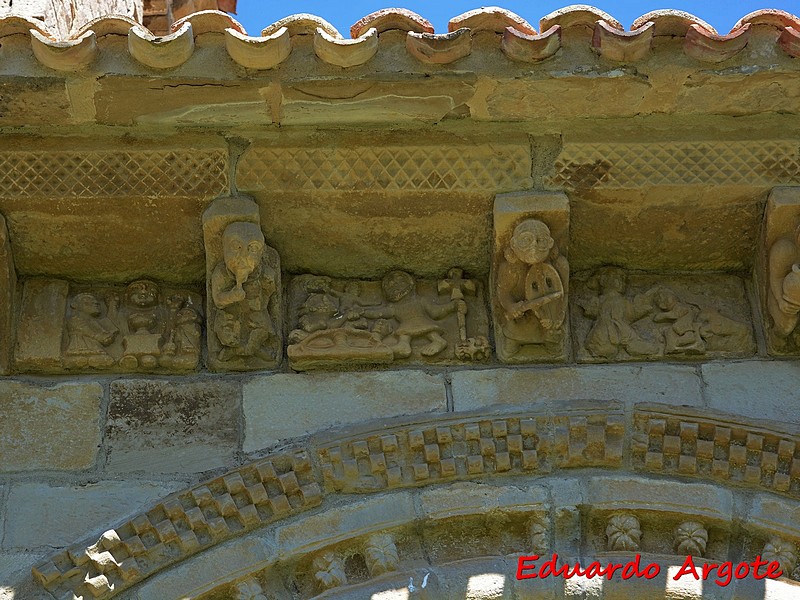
(329, 571)
(249, 589)
(244, 298)
(624, 533)
(630, 316)
(380, 554)
(782, 552)
(141, 327)
(691, 537)
(378, 322)
(783, 291)
(530, 277)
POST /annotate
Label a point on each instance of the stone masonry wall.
(81, 455)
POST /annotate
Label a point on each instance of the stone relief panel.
(243, 289)
(621, 315)
(139, 327)
(338, 322)
(530, 277)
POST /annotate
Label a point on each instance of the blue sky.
(256, 14)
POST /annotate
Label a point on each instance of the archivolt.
(550, 480)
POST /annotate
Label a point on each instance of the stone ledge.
(49, 428)
(311, 402)
(757, 389)
(667, 384)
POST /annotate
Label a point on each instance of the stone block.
(761, 390)
(13, 565)
(41, 515)
(52, 428)
(476, 498)
(667, 384)
(780, 516)
(354, 519)
(283, 406)
(166, 427)
(203, 573)
(638, 493)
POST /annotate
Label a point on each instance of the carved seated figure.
(145, 322)
(88, 334)
(783, 294)
(531, 290)
(242, 285)
(614, 314)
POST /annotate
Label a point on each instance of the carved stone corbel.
(778, 271)
(243, 284)
(530, 277)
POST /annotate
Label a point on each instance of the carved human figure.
(416, 317)
(783, 294)
(145, 322)
(684, 334)
(614, 314)
(88, 333)
(531, 289)
(242, 286)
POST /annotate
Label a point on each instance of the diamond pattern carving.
(113, 174)
(181, 525)
(633, 165)
(392, 168)
(688, 445)
(521, 443)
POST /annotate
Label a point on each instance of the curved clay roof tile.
(209, 21)
(388, 19)
(302, 24)
(705, 46)
(531, 48)
(578, 14)
(490, 18)
(671, 22)
(345, 53)
(439, 48)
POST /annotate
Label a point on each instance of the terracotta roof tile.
(391, 18)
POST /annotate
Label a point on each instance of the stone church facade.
(292, 315)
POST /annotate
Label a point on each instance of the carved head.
(87, 304)
(531, 241)
(242, 249)
(397, 285)
(613, 279)
(665, 299)
(142, 293)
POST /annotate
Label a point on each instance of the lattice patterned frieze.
(519, 443)
(92, 174)
(499, 167)
(687, 445)
(633, 165)
(181, 525)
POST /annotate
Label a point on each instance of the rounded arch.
(460, 496)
